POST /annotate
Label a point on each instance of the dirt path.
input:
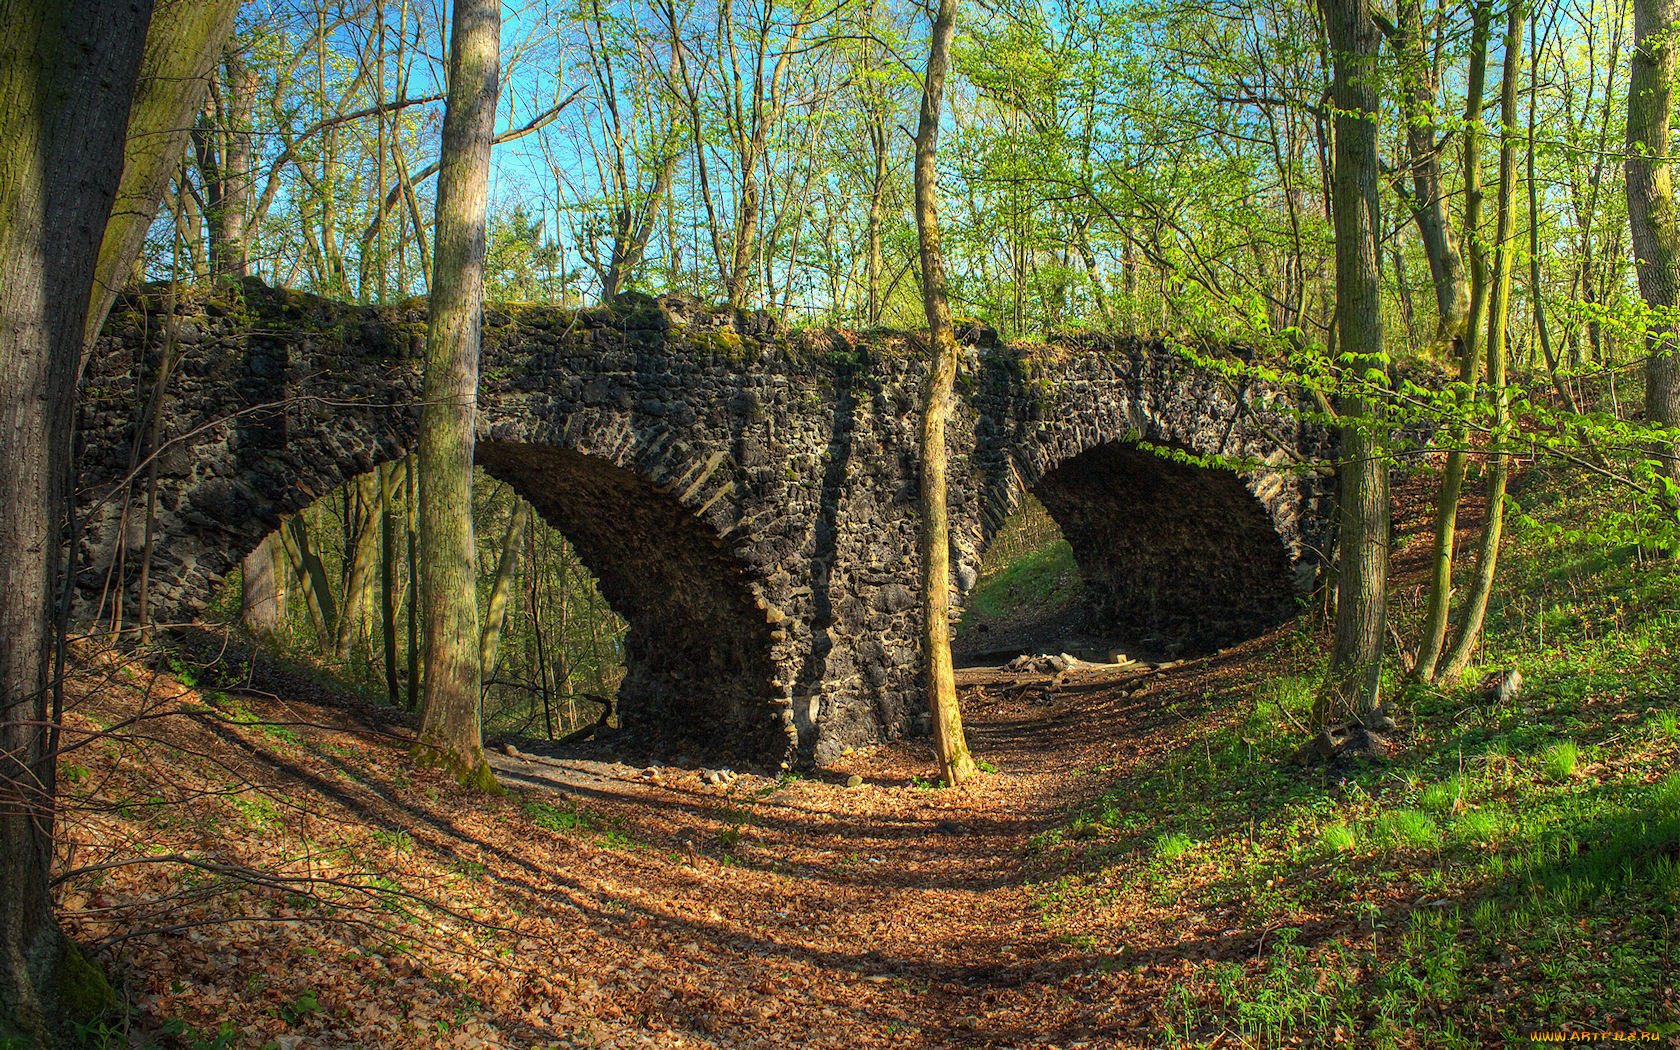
(884, 914)
(600, 904)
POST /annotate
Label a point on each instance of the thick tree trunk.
(65, 88)
(450, 732)
(1362, 565)
(184, 42)
(1654, 215)
(262, 592)
(955, 763)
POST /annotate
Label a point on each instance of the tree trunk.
(1654, 218)
(877, 214)
(360, 550)
(1428, 203)
(1487, 556)
(1438, 603)
(262, 592)
(450, 732)
(411, 516)
(955, 763)
(388, 578)
(221, 144)
(65, 88)
(311, 574)
(184, 41)
(1362, 565)
(501, 588)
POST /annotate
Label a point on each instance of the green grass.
(1043, 579)
(1028, 567)
(1173, 845)
(1513, 867)
(1559, 760)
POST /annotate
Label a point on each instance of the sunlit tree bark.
(450, 733)
(65, 87)
(955, 763)
(1654, 215)
(1362, 564)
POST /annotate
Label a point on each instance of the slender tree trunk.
(65, 87)
(1438, 603)
(955, 763)
(501, 589)
(388, 578)
(229, 255)
(877, 213)
(1487, 556)
(411, 515)
(360, 551)
(450, 731)
(1654, 218)
(1428, 203)
(262, 592)
(1362, 565)
(311, 574)
(1542, 330)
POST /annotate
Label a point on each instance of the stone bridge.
(746, 494)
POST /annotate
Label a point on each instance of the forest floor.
(254, 857)
(336, 896)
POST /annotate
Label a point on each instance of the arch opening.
(698, 662)
(1176, 559)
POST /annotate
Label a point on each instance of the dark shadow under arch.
(698, 662)
(1171, 553)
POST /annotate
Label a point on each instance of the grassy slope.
(1515, 869)
(1028, 569)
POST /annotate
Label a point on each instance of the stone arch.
(1174, 553)
(652, 521)
(652, 517)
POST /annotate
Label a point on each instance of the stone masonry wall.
(746, 494)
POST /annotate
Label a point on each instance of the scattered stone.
(1500, 686)
(854, 781)
(1043, 663)
(1341, 744)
